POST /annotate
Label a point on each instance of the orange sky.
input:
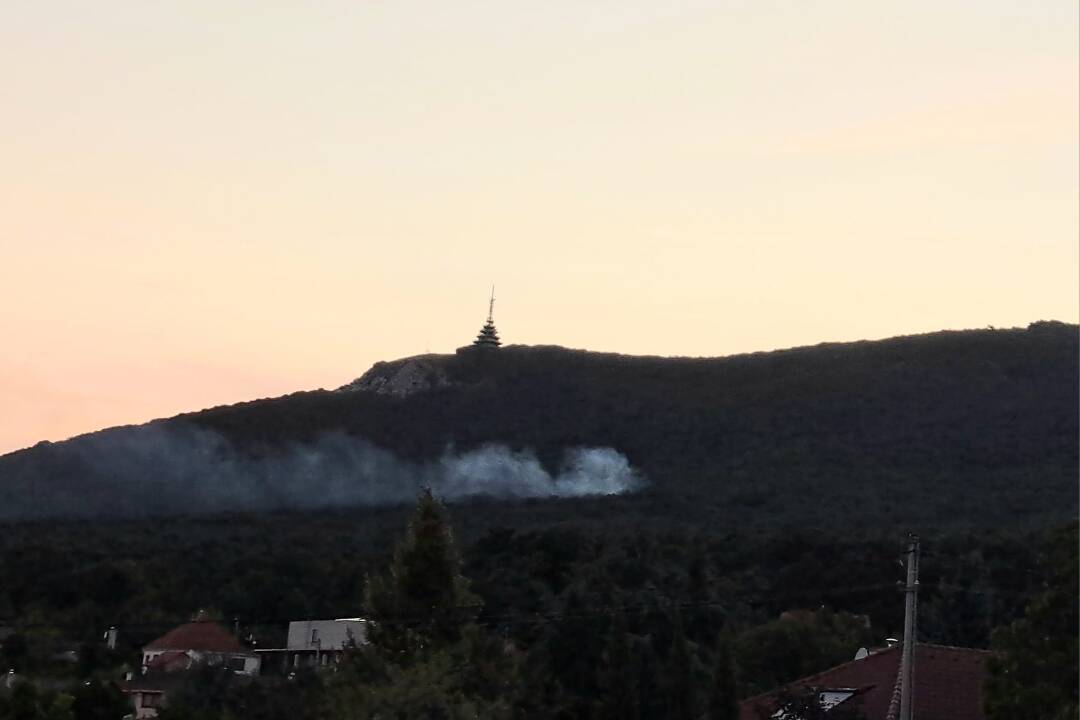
(217, 201)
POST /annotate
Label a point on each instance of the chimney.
(110, 638)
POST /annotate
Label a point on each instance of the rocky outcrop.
(402, 377)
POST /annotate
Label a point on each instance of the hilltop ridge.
(401, 377)
(969, 427)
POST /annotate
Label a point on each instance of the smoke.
(161, 469)
(495, 471)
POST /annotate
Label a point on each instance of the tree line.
(561, 623)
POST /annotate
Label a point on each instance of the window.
(236, 664)
(314, 636)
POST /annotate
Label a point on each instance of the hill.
(951, 429)
(767, 494)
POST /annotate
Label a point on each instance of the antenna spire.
(489, 337)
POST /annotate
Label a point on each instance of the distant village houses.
(164, 660)
(310, 645)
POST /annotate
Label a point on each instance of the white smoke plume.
(161, 469)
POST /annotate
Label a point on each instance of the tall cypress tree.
(426, 658)
(425, 602)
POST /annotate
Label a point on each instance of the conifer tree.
(425, 601)
(426, 658)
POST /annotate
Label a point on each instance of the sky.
(210, 201)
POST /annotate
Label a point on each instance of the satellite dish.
(862, 653)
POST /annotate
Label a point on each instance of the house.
(164, 661)
(199, 641)
(314, 643)
(948, 685)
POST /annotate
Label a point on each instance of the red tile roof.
(170, 661)
(201, 635)
(948, 684)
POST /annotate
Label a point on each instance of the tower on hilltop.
(489, 337)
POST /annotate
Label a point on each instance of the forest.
(558, 622)
(949, 429)
(765, 546)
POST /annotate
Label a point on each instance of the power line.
(657, 601)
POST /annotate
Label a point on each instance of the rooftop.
(200, 635)
(948, 684)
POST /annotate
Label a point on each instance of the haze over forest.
(890, 431)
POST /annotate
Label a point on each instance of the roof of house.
(201, 635)
(170, 660)
(948, 684)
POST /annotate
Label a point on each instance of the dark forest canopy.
(789, 603)
(956, 429)
(763, 546)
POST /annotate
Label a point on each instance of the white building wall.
(325, 634)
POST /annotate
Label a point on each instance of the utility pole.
(907, 661)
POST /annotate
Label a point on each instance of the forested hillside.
(777, 492)
(950, 429)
